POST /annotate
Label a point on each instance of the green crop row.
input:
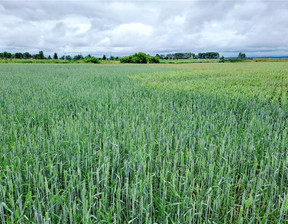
(196, 143)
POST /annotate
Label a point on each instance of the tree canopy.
(242, 55)
(140, 58)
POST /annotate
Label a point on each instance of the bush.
(93, 60)
(222, 59)
(154, 60)
(127, 59)
(140, 58)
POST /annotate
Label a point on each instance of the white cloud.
(152, 26)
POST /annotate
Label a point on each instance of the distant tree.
(78, 57)
(112, 58)
(170, 56)
(27, 55)
(179, 56)
(49, 57)
(6, 55)
(41, 55)
(208, 55)
(62, 57)
(194, 56)
(18, 55)
(68, 57)
(241, 55)
(55, 56)
(222, 59)
(104, 57)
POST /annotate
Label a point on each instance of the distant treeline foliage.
(140, 58)
(207, 55)
(41, 56)
(136, 58)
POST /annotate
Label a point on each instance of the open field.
(191, 143)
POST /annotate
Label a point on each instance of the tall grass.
(103, 144)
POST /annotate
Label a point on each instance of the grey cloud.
(153, 26)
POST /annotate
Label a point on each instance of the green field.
(191, 143)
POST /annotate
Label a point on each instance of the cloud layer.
(123, 27)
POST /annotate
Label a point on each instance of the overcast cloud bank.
(124, 27)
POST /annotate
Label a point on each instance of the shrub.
(154, 60)
(127, 59)
(222, 59)
(93, 60)
(139, 58)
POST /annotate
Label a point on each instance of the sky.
(256, 27)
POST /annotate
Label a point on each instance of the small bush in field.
(93, 60)
(139, 58)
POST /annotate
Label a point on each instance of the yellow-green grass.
(200, 143)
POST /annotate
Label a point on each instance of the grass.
(198, 143)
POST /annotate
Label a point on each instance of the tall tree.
(41, 55)
(55, 56)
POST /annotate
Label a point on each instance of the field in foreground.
(197, 143)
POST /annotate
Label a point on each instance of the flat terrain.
(191, 143)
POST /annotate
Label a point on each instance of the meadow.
(181, 143)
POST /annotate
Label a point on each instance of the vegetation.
(192, 143)
(208, 55)
(55, 56)
(177, 56)
(91, 60)
(140, 58)
(222, 59)
(241, 55)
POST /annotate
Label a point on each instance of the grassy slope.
(148, 143)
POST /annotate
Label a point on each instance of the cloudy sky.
(256, 27)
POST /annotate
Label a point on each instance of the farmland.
(183, 143)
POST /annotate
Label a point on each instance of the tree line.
(136, 58)
(41, 56)
(189, 55)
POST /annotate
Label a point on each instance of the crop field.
(183, 143)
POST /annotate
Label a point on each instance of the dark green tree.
(55, 56)
(27, 55)
(222, 59)
(140, 58)
(6, 54)
(68, 57)
(18, 55)
(78, 57)
(41, 55)
(241, 55)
